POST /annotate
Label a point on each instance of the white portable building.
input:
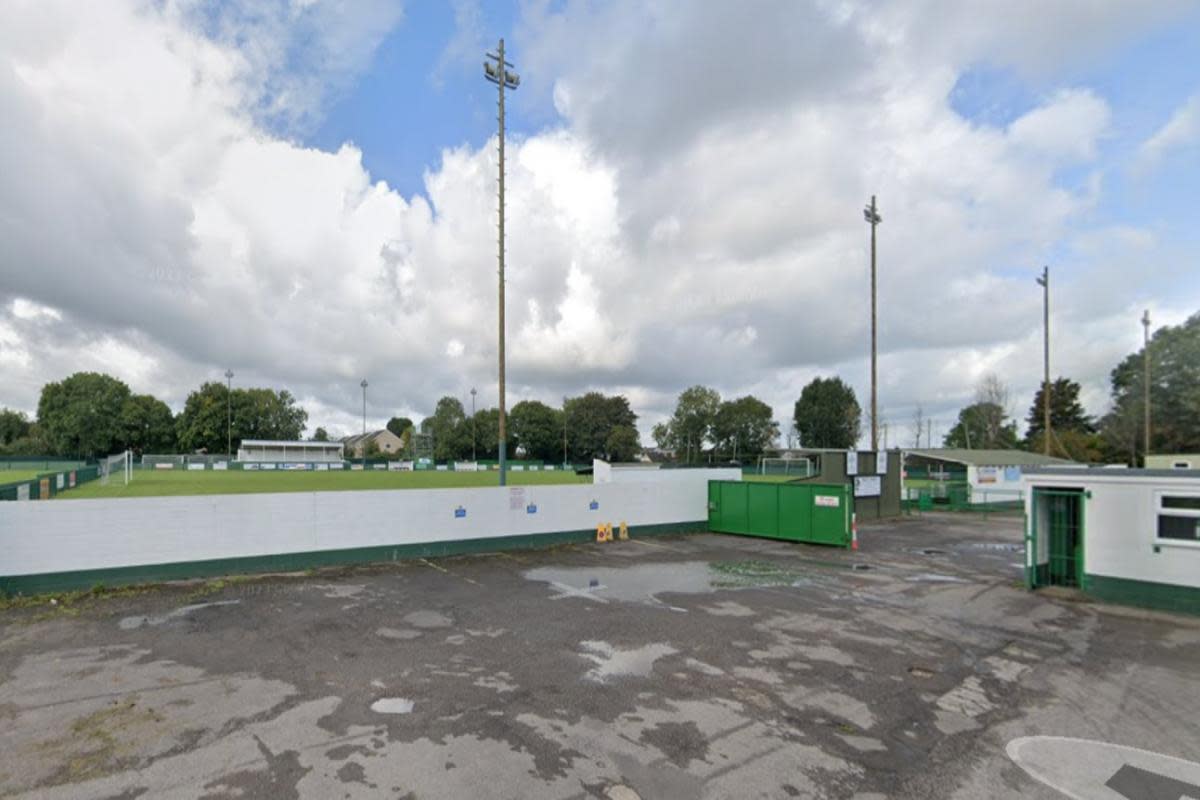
(1123, 535)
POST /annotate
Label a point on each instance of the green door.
(1058, 516)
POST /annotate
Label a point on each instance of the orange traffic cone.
(854, 531)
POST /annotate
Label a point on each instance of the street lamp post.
(871, 215)
(229, 412)
(495, 70)
(1146, 380)
(364, 441)
(564, 431)
(473, 456)
(1044, 282)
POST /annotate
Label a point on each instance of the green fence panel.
(831, 508)
(762, 508)
(800, 512)
(795, 514)
(48, 485)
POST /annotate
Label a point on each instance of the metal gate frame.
(1054, 571)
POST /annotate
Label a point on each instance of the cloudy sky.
(304, 191)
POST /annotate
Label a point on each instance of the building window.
(1179, 518)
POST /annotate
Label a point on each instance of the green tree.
(13, 425)
(34, 443)
(1174, 392)
(661, 433)
(827, 414)
(1077, 445)
(692, 423)
(744, 428)
(257, 414)
(590, 421)
(82, 414)
(451, 430)
(983, 426)
(623, 443)
(487, 435)
(320, 435)
(147, 425)
(537, 429)
(398, 425)
(1066, 412)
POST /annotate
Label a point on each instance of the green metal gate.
(798, 512)
(1056, 538)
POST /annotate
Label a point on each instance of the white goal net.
(119, 465)
(790, 467)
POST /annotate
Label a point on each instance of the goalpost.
(791, 467)
(119, 464)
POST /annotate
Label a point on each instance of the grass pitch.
(15, 475)
(156, 483)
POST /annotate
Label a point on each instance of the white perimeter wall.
(66, 535)
(1121, 527)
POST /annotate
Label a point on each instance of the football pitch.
(14, 475)
(162, 483)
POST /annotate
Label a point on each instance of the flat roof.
(282, 443)
(1111, 473)
(989, 458)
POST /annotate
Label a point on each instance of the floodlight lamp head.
(511, 79)
(872, 216)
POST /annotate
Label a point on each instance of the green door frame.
(1032, 577)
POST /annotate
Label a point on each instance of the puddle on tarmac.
(1002, 547)
(641, 583)
(132, 623)
(392, 705)
(931, 577)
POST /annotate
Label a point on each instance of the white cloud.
(1181, 131)
(1067, 127)
(675, 230)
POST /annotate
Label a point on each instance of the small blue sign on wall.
(531, 508)
(460, 512)
(594, 506)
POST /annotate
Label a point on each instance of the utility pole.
(473, 456)
(229, 410)
(1146, 380)
(364, 440)
(1044, 282)
(495, 70)
(871, 214)
(564, 431)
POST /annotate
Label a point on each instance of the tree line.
(91, 414)
(593, 425)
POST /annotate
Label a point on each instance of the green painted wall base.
(1161, 596)
(294, 562)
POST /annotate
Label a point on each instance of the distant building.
(990, 475)
(269, 450)
(1174, 461)
(389, 444)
